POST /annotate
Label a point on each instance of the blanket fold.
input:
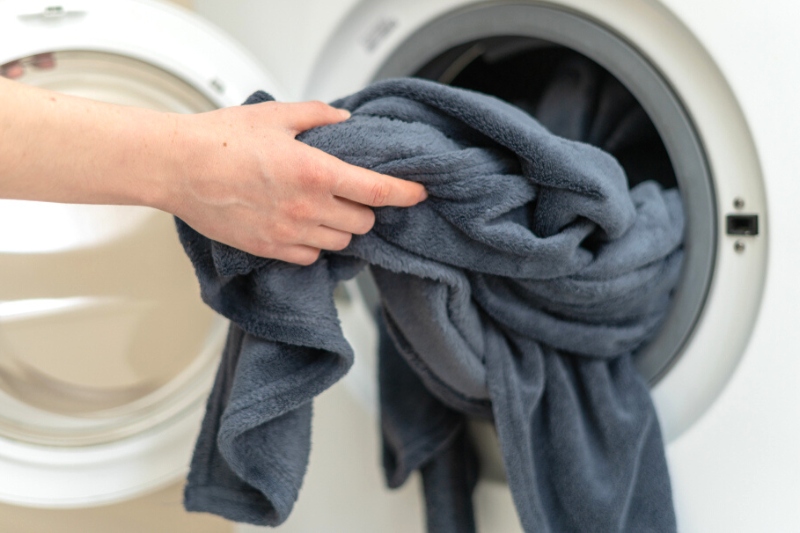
(517, 293)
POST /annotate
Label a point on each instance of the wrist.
(172, 161)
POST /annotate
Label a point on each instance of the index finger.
(374, 189)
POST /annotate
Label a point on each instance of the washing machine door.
(691, 106)
(106, 351)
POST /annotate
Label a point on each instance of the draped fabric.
(516, 292)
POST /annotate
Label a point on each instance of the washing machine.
(106, 351)
(99, 404)
(715, 79)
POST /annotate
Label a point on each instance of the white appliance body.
(730, 403)
(285, 35)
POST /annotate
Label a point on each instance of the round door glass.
(102, 330)
(514, 51)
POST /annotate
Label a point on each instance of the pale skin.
(236, 175)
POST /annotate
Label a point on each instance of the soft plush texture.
(516, 292)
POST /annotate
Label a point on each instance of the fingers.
(358, 184)
(327, 238)
(297, 254)
(377, 190)
(351, 182)
(344, 215)
(302, 116)
(318, 239)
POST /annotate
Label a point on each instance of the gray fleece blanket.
(517, 292)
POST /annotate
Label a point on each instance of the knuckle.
(287, 233)
(309, 257)
(302, 210)
(312, 172)
(319, 107)
(343, 241)
(379, 194)
(365, 222)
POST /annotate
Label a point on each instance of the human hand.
(250, 184)
(236, 175)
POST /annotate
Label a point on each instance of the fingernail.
(424, 195)
(345, 113)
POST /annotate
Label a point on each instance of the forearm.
(236, 175)
(60, 148)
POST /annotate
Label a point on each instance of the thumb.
(302, 116)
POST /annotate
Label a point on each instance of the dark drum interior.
(570, 94)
